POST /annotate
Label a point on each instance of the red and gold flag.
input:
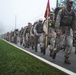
(47, 12)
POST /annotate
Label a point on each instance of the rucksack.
(28, 30)
(39, 28)
(56, 12)
(62, 13)
(33, 29)
(67, 19)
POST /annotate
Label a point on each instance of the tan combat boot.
(66, 61)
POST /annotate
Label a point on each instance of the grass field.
(16, 62)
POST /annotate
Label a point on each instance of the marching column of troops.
(61, 33)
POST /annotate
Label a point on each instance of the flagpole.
(15, 21)
(56, 3)
(47, 29)
(47, 12)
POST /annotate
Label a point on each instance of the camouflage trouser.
(74, 41)
(39, 40)
(51, 40)
(21, 40)
(15, 39)
(24, 41)
(42, 40)
(12, 39)
(32, 41)
(65, 40)
(27, 39)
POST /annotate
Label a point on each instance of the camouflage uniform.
(7, 36)
(27, 35)
(51, 32)
(15, 36)
(65, 22)
(24, 37)
(21, 35)
(32, 37)
(11, 36)
(39, 33)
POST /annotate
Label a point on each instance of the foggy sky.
(23, 10)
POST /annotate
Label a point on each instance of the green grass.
(16, 62)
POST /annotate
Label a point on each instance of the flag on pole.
(47, 12)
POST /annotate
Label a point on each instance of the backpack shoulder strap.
(73, 13)
(62, 15)
(63, 12)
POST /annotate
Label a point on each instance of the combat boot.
(66, 61)
(41, 49)
(44, 51)
(50, 52)
(75, 52)
(32, 47)
(53, 54)
(35, 49)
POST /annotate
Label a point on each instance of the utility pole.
(15, 21)
(56, 3)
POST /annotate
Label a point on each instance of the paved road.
(59, 58)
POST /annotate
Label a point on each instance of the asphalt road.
(59, 60)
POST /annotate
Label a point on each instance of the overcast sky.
(23, 10)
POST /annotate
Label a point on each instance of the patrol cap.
(40, 20)
(16, 29)
(29, 22)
